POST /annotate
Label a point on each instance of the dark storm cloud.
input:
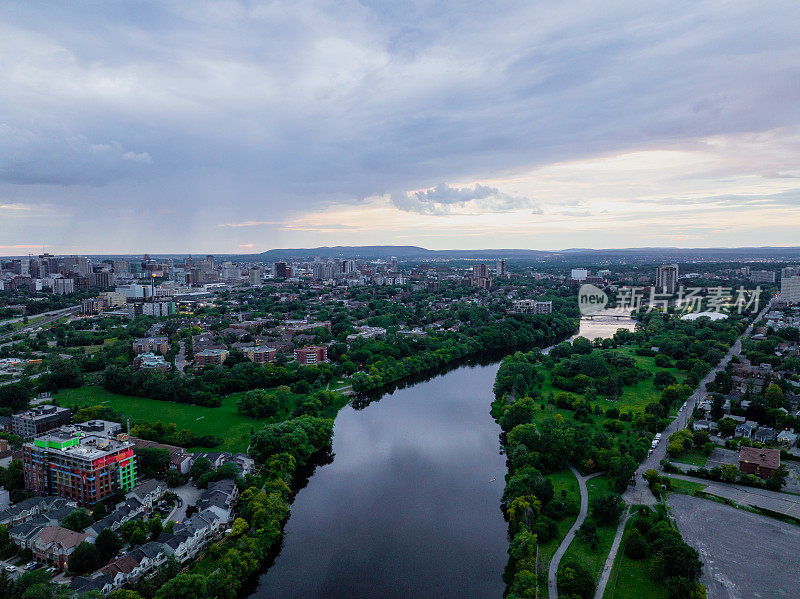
(243, 111)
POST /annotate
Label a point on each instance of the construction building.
(84, 467)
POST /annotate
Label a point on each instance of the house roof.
(125, 564)
(769, 458)
(61, 536)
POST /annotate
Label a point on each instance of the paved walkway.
(612, 554)
(552, 583)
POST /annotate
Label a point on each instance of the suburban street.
(640, 494)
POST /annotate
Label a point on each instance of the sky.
(237, 127)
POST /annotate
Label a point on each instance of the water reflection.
(409, 505)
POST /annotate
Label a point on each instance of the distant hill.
(411, 252)
(401, 252)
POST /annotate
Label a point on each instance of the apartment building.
(261, 354)
(146, 345)
(311, 355)
(39, 420)
(210, 357)
(80, 466)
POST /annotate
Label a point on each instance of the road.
(189, 494)
(49, 317)
(552, 583)
(180, 359)
(639, 493)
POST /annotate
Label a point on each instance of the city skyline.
(237, 128)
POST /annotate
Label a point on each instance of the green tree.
(108, 544)
(78, 520)
(84, 559)
(608, 508)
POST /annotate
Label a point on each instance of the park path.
(612, 554)
(552, 583)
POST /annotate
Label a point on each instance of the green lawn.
(594, 559)
(630, 579)
(693, 457)
(685, 487)
(223, 421)
(634, 397)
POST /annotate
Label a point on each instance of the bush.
(635, 545)
(608, 508)
(575, 579)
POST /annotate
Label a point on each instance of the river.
(410, 504)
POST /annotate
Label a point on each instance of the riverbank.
(570, 407)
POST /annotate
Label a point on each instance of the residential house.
(55, 544)
(765, 434)
(761, 462)
(746, 429)
(787, 439)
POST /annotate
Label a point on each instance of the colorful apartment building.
(80, 466)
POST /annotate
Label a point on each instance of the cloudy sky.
(244, 126)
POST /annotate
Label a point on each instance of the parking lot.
(744, 554)
(722, 457)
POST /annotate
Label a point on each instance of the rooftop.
(769, 458)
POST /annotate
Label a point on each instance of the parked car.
(31, 566)
(52, 571)
(10, 569)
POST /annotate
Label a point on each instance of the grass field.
(630, 579)
(223, 421)
(594, 559)
(634, 397)
(685, 487)
(692, 457)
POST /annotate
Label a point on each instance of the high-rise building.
(280, 270)
(393, 265)
(501, 267)
(762, 276)
(255, 277)
(80, 466)
(63, 286)
(579, 274)
(667, 278)
(790, 284)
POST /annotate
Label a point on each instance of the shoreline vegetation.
(290, 441)
(596, 405)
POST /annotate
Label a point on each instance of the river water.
(410, 504)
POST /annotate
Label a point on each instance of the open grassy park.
(223, 421)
